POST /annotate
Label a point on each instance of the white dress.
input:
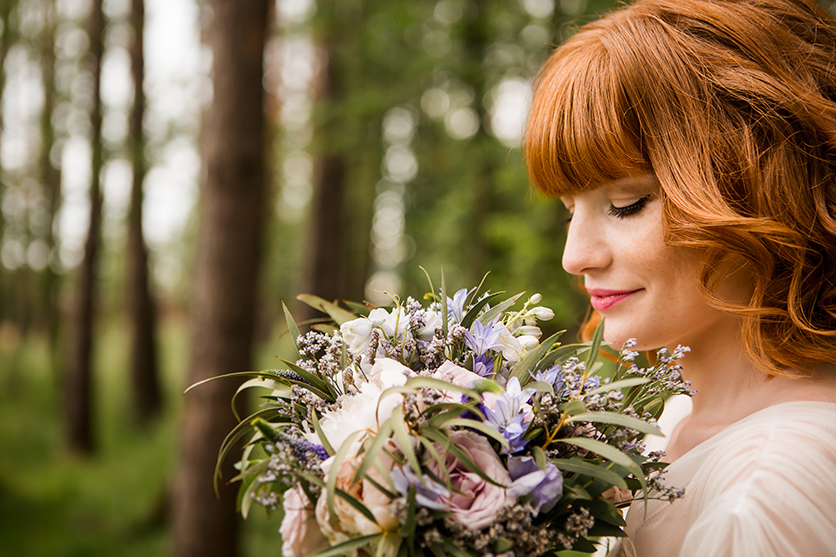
(764, 486)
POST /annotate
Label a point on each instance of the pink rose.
(461, 377)
(348, 522)
(473, 501)
(301, 535)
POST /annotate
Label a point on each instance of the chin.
(616, 335)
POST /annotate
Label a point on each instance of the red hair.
(732, 105)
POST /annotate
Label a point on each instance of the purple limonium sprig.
(455, 306)
(483, 365)
(542, 488)
(507, 416)
(484, 337)
(428, 493)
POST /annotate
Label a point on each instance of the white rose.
(365, 410)
(357, 334)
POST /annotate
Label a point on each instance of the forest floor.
(53, 503)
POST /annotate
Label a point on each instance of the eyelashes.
(629, 210)
(620, 212)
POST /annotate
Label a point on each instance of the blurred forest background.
(172, 170)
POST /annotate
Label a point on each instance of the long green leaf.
(382, 436)
(430, 280)
(231, 438)
(257, 382)
(414, 383)
(321, 434)
(292, 328)
(470, 316)
(338, 314)
(621, 384)
(346, 546)
(494, 312)
(521, 370)
(267, 374)
(444, 309)
(479, 426)
(331, 484)
(314, 379)
(404, 439)
(616, 419)
(602, 449)
(599, 471)
(595, 346)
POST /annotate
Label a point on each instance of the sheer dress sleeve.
(763, 487)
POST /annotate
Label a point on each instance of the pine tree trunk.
(225, 281)
(79, 387)
(144, 369)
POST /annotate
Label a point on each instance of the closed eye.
(629, 210)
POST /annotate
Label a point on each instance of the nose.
(586, 249)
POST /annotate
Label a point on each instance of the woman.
(694, 145)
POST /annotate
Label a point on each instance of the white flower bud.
(543, 313)
(535, 299)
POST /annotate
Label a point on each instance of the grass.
(53, 503)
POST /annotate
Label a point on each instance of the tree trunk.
(51, 178)
(144, 370)
(226, 270)
(324, 271)
(79, 379)
(6, 7)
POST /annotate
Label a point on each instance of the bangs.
(582, 130)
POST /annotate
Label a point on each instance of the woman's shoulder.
(786, 437)
(766, 483)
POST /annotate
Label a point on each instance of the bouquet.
(450, 429)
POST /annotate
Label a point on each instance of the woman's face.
(644, 288)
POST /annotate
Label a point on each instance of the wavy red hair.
(732, 105)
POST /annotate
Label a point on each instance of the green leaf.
(595, 346)
(489, 315)
(602, 449)
(267, 374)
(404, 440)
(346, 546)
(479, 426)
(414, 383)
(331, 484)
(291, 326)
(621, 384)
(430, 280)
(239, 431)
(540, 458)
(356, 504)
(382, 436)
(338, 314)
(321, 434)
(540, 387)
(521, 370)
(502, 545)
(616, 419)
(600, 471)
(260, 382)
(444, 313)
(315, 380)
(470, 316)
(573, 407)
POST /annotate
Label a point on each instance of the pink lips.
(602, 299)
